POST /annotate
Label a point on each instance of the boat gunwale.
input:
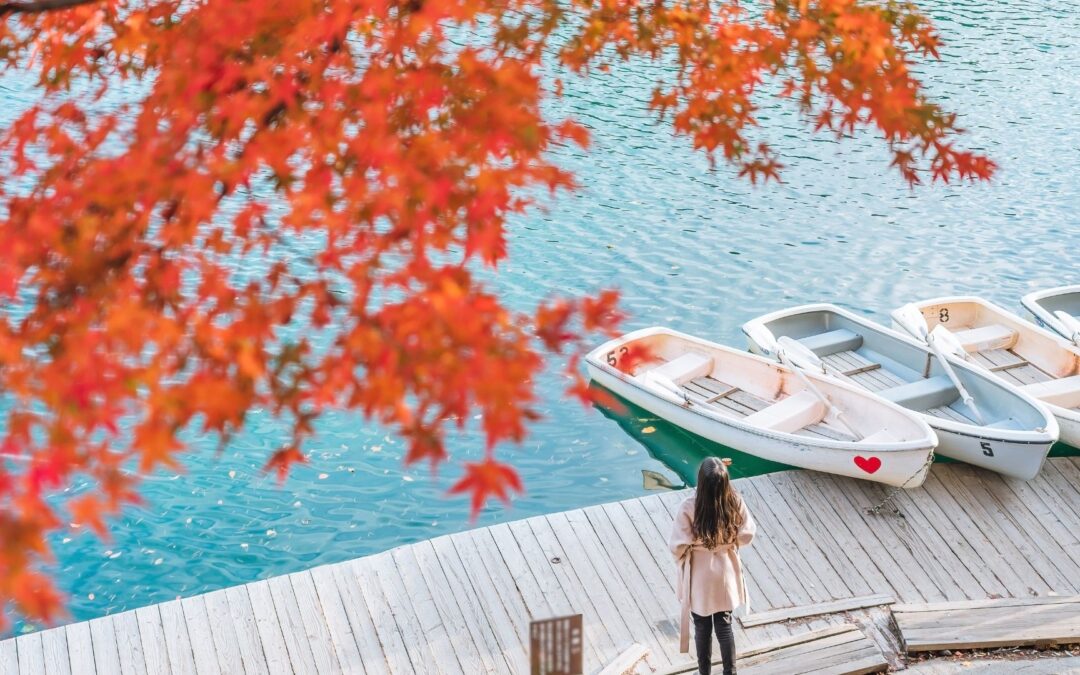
(1048, 436)
(1032, 302)
(927, 441)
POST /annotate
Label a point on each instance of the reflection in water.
(678, 449)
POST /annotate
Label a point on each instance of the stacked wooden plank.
(838, 650)
(974, 624)
(841, 650)
(832, 607)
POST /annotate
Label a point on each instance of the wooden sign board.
(555, 646)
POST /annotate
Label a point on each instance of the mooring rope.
(876, 510)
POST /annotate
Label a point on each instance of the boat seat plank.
(1064, 392)
(789, 414)
(931, 392)
(685, 368)
(990, 336)
(840, 340)
(984, 624)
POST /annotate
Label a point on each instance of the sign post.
(555, 646)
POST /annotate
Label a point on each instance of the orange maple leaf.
(88, 510)
(282, 460)
(487, 479)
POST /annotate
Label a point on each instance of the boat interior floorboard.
(862, 371)
(732, 400)
(720, 396)
(822, 430)
(1011, 367)
(947, 413)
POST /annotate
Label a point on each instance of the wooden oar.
(798, 356)
(913, 322)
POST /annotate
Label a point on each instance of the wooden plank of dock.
(835, 650)
(788, 613)
(978, 624)
(462, 603)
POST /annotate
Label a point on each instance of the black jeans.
(703, 629)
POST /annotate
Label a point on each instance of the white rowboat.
(1019, 353)
(765, 408)
(978, 420)
(1058, 309)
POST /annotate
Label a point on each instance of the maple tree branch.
(39, 6)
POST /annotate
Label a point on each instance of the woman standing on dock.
(709, 528)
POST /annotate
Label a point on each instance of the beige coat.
(710, 580)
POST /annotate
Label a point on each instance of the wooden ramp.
(462, 603)
(977, 624)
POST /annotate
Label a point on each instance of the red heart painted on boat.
(868, 465)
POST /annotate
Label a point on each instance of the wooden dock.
(462, 603)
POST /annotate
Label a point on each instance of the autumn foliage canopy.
(155, 193)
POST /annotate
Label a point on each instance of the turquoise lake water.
(690, 247)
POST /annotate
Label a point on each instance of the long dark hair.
(717, 507)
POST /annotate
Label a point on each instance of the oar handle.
(967, 397)
(837, 412)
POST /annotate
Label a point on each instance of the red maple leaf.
(35, 596)
(486, 479)
(282, 460)
(88, 510)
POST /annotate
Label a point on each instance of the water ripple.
(689, 246)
